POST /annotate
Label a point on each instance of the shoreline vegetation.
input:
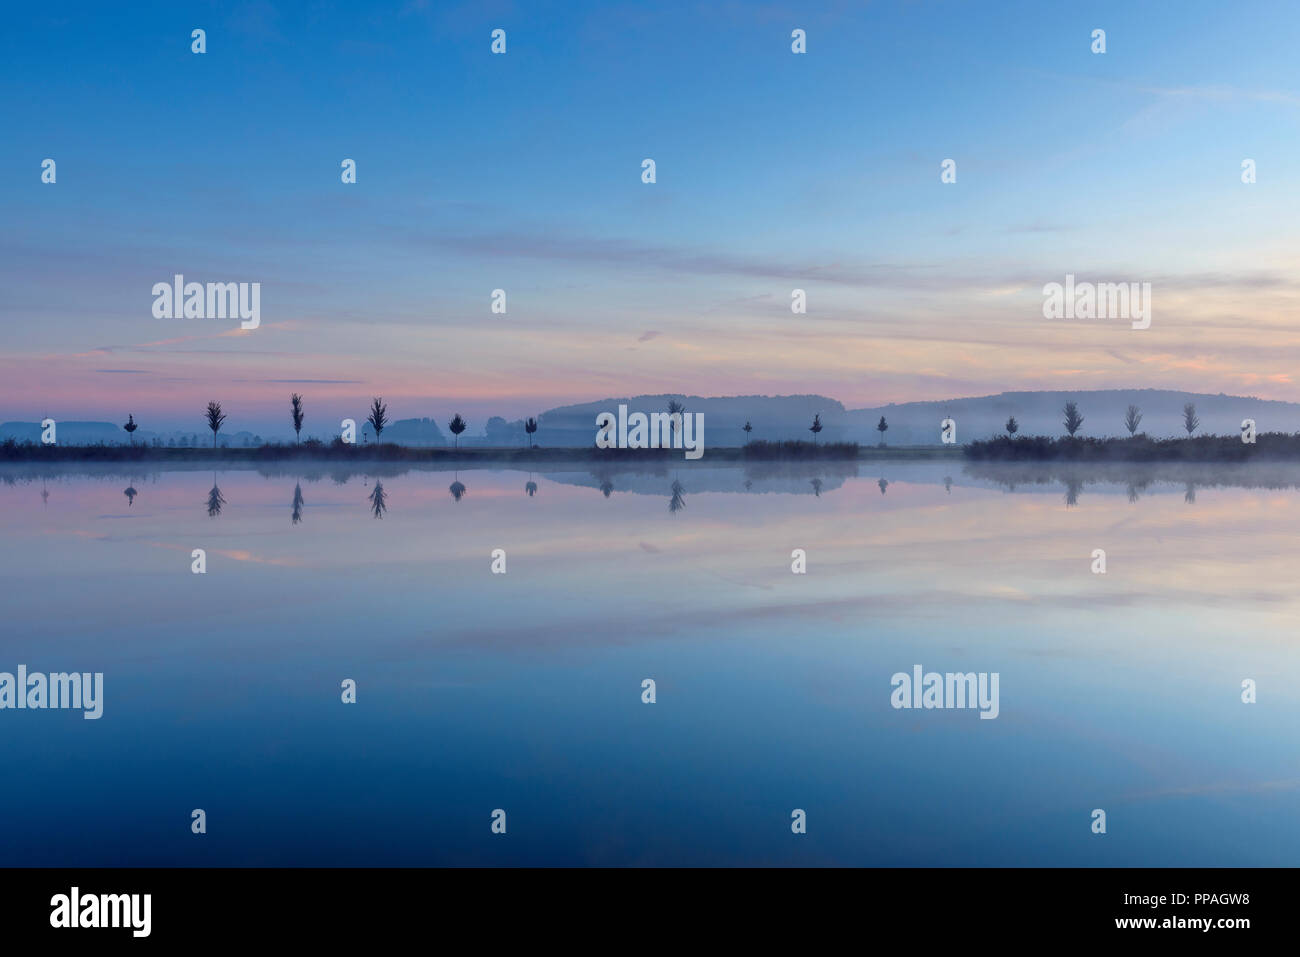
(1267, 447)
(339, 451)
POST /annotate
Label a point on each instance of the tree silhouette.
(295, 410)
(1072, 417)
(530, 427)
(747, 429)
(378, 418)
(1012, 426)
(530, 487)
(1132, 419)
(882, 485)
(130, 494)
(297, 503)
(131, 427)
(675, 408)
(881, 426)
(816, 487)
(215, 418)
(1190, 421)
(816, 426)
(457, 426)
(457, 489)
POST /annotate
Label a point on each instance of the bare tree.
(1190, 421)
(1072, 417)
(378, 418)
(215, 418)
(1132, 419)
(747, 429)
(816, 426)
(295, 409)
(1012, 426)
(530, 427)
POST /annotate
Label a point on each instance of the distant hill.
(72, 433)
(412, 432)
(917, 423)
(93, 433)
(773, 417)
(1039, 413)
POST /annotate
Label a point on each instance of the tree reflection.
(378, 500)
(678, 500)
(215, 499)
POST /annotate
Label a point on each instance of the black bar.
(332, 906)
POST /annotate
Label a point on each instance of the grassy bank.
(338, 451)
(1268, 447)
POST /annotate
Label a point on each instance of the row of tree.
(378, 419)
(1073, 421)
(1132, 419)
(816, 426)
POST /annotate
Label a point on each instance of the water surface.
(522, 691)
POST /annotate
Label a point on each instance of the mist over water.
(522, 691)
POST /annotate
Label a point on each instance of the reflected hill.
(813, 478)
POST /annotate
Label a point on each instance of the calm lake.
(522, 691)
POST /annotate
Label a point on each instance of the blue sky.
(775, 171)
